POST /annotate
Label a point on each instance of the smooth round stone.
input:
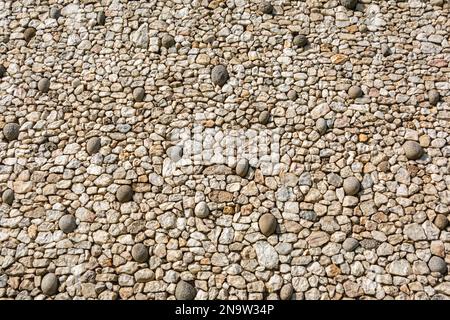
(441, 221)
(55, 13)
(201, 210)
(139, 252)
(167, 41)
(2, 71)
(219, 75)
(175, 153)
(321, 125)
(11, 131)
(413, 150)
(185, 291)
(44, 85)
(93, 145)
(124, 194)
(8, 196)
(264, 117)
(138, 94)
(286, 292)
(349, 4)
(355, 92)
(434, 97)
(101, 18)
(351, 186)
(266, 7)
(292, 95)
(67, 223)
(267, 224)
(437, 264)
(350, 244)
(49, 284)
(300, 40)
(29, 34)
(242, 167)
(385, 50)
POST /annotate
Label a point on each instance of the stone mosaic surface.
(225, 149)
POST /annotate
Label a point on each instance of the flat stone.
(350, 244)
(317, 239)
(400, 268)
(414, 232)
(266, 254)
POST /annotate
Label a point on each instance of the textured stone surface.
(284, 90)
(140, 252)
(219, 75)
(11, 131)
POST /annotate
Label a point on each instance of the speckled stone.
(11, 131)
(219, 75)
(266, 7)
(300, 40)
(167, 41)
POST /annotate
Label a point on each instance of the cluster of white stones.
(91, 93)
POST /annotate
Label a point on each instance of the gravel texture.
(105, 195)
